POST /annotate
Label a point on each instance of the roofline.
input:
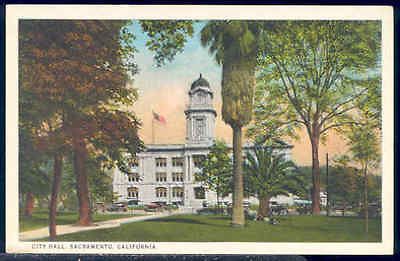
(200, 110)
(186, 147)
(201, 88)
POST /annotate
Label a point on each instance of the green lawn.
(196, 228)
(40, 219)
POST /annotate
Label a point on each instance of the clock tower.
(200, 113)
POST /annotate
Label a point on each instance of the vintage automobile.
(154, 206)
(278, 209)
(118, 207)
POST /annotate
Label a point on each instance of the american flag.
(159, 118)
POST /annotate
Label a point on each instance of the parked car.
(134, 202)
(279, 210)
(246, 204)
(117, 207)
(155, 206)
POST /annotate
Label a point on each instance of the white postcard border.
(383, 13)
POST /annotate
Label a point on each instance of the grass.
(196, 228)
(40, 218)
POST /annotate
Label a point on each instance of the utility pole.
(327, 184)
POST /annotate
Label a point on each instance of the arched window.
(177, 177)
(133, 177)
(177, 192)
(202, 98)
(200, 128)
(161, 192)
(133, 192)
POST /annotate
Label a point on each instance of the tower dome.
(200, 113)
(200, 82)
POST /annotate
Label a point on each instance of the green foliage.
(267, 172)
(273, 118)
(34, 168)
(320, 70)
(363, 142)
(216, 170)
(167, 37)
(234, 44)
(345, 183)
(99, 179)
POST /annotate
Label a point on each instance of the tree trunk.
(218, 206)
(80, 155)
(315, 175)
(263, 207)
(366, 199)
(237, 210)
(344, 209)
(29, 203)
(54, 194)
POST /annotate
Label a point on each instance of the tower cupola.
(200, 113)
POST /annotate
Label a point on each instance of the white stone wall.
(147, 170)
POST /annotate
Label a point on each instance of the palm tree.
(235, 46)
(267, 175)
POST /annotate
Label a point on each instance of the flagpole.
(152, 129)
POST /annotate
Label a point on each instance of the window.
(177, 192)
(134, 177)
(200, 128)
(161, 192)
(161, 176)
(161, 162)
(197, 159)
(133, 192)
(177, 162)
(202, 98)
(199, 193)
(177, 177)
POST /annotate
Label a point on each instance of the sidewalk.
(69, 229)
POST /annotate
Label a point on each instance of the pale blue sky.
(183, 70)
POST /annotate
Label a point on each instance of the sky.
(165, 90)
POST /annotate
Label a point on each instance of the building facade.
(166, 172)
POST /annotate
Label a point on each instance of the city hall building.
(166, 172)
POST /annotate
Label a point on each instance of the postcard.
(199, 129)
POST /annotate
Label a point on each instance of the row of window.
(176, 161)
(176, 177)
(134, 177)
(160, 177)
(161, 192)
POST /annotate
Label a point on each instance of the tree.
(319, 70)
(364, 145)
(34, 178)
(235, 46)
(267, 174)
(70, 66)
(344, 183)
(216, 170)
